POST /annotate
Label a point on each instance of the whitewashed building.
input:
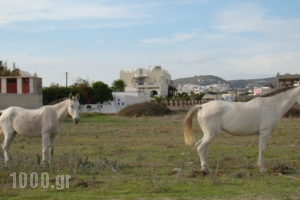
(153, 82)
(196, 89)
(221, 97)
(120, 101)
(258, 91)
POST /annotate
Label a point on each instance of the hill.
(243, 83)
(205, 80)
(200, 80)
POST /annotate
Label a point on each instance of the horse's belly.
(28, 127)
(240, 123)
(29, 132)
(240, 130)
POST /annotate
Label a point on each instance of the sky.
(96, 39)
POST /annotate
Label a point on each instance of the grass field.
(111, 157)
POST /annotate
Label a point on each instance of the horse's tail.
(188, 135)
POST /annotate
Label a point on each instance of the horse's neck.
(286, 100)
(61, 109)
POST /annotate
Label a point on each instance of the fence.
(183, 105)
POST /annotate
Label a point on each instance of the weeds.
(145, 158)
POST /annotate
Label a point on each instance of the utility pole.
(67, 79)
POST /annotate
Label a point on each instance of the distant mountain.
(243, 83)
(205, 80)
(199, 80)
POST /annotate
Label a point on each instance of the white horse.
(44, 121)
(256, 117)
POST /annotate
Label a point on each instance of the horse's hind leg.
(202, 146)
(8, 138)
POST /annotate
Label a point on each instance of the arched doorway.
(153, 93)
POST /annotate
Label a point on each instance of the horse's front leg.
(263, 139)
(45, 147)
(8, 138)
(51, 149)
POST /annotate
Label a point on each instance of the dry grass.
(111, 157)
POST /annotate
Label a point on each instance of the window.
(141, 81)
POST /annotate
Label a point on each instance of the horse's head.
(74, 108)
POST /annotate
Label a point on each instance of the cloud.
(252, 17)
(237, 41)
(252, 41)
(241, 18)
(92, 66)
(176, 38)
(40, 10)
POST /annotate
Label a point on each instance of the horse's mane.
(58, 101)
(278, 91)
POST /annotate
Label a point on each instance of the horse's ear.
(77, 96)
(70, 96)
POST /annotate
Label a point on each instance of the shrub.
(145, 109)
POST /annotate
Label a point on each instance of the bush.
(145, 109)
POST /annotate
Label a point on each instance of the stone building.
(153, 82)
(287, 80)
(24, 91)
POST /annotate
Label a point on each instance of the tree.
(101, 92)
(15, 71)
(5, 71)
(54, 93)
(98, 92)
(118, 86)
(84, 89)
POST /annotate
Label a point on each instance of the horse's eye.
(72, 106)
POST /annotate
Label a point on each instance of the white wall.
(121, 100)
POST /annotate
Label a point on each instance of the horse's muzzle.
(76, 120)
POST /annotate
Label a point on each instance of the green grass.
(112, 157)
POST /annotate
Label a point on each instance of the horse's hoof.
(44, 164)
(263, 170)
(204, 172)
(6, 164)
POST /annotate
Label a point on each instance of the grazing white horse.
(44, 121)
(256, 117)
